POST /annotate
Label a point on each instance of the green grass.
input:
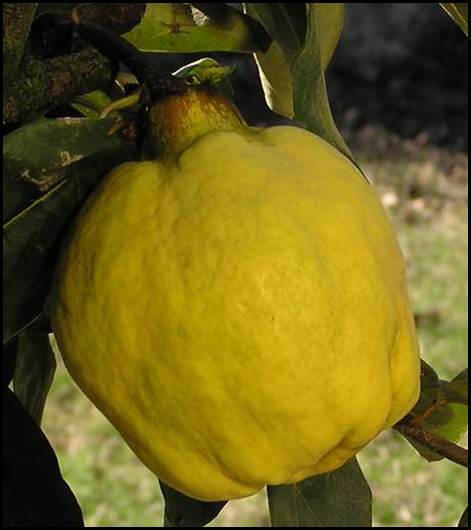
(425, 192)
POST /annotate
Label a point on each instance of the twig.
(443, 447)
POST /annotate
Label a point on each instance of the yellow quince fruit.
(237, 308)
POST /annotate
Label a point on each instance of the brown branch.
(42, 85)
(439, 445)
(120, 18)
(17, 20)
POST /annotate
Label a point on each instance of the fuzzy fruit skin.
(240, 313)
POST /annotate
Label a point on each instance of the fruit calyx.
(179, 119)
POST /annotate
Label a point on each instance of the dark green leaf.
(180, 27)
(311, 103)
(285, 23)
(9, 360)
(56, 9)
(430, 388)
(459, 13)
(30, 239)
(182, 511)
(341, 498)
(52, 146)
(16, 196)
(425, 452)
(464, 518)
(35, 367)
(34, 492)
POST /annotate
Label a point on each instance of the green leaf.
(441, 409)
(464, 518)
(340, 498)
(183, 511)
(54, 8)
(430, 389)
(30, 239)
(52, 146)
(91, 104)
(208, 72)
(34, 371)
(456, 391)
(425, 452)
(10, 349)
(292, 70)
(311, 102)
(459, 13)
(286, 25)
(35, 493)
(450, 422)
(180, 27)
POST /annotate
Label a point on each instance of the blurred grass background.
(424, 189)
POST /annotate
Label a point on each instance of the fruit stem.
(159, 83)
(180, 119)
(179, 111)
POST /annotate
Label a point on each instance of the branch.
(119, 18)
(17, 20)
(443, 447)
(42, 85)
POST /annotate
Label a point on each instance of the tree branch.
(17, 20)
(443, 447)
(42, 85)
(119, 18)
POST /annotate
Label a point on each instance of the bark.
(37, 85)
(443, 447)
(17, 20)
(41, 85)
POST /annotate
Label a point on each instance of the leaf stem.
(443, 447)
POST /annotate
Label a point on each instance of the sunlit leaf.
(459, 13)
(180, 27)
(286, 24)
(91, 104)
